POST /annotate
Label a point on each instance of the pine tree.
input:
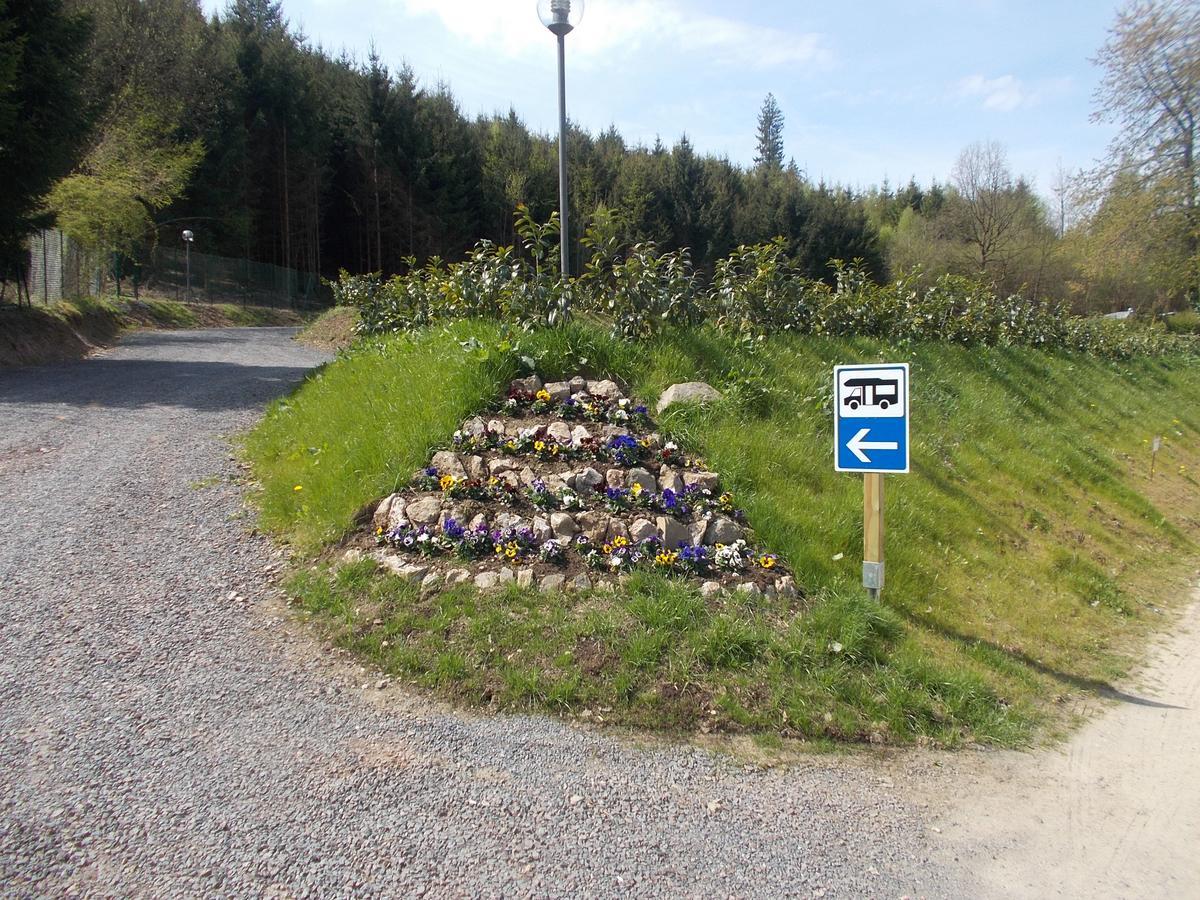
(770, 136)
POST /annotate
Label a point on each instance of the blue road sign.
(870, 418)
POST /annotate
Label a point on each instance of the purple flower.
(622, 441)
(668, 499)
(640, 410)
(431, 472)
(453, 530)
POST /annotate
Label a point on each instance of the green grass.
(1025, 551)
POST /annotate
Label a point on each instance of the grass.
(73, 328)
(1027, 553)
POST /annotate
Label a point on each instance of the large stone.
(448, 463)
(689, 392)
(643, 477)
(581, 583)
(707, 480)
(431, 583)
(615, 478)
(578, 384)
(786, 586)
(424, 511)
(642, 529)
(553, 583)
(672, 532)
(710, 589)
(479, 520)
(501, 465)
(559, 431)
(383, 512)
(558, 390)
(457, 576)
(476, 468)
(508, 520)
(607, 390)
(722, 530)
(528, 477)
(563, 525)
(475, 427)
(542, 531)
(594, 525)
(580, 436)
(487, 581)
(506, 576)
(750, 589)
(670, 480)
(588, 480)
(530, 385)
(696, 531)
(616, 529)
(496, 427)
(608, 432)
(525, 578)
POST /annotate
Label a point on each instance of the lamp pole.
(188, 237)
(561, 19)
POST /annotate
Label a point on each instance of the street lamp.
(561, 17)
(188, 237)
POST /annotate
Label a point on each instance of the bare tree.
(988, 208)
(1151, 89)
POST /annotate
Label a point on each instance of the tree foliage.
(770, 136)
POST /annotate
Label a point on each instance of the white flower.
(623, 402)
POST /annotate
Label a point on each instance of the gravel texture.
(166, 730)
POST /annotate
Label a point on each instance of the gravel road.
(159, 739)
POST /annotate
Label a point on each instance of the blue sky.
(869, 89)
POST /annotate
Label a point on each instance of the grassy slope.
(1026, 550)
(72, 329)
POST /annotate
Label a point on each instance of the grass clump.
(1028, 551)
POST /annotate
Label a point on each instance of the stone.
(424, 511)
(581, 583)
(525, 578)
(722, 530)
(496, 426)
(786, 586)
(606, 390)
(553, 583)
(383, 512)
(578, 384)
(710, 589)
(594, 525)
(479, 520)
(608, 432)
(606, 587)
(568, 479)
(559, 431)
(352, 556)
(710, 481)
(580, 436)
(672, 532)
(670, 480)
(501, 465)
(688, 392)
(615, 478)
(588, 480)
(510, 479)
(542, 531)
(558, 390)
(475, 427)
(528, 477)
(642, 529)
(770, 592)
(506, 520)
(476, 468)
(642, 477)
(563, 525)
(696, 532)
(616, 529)
(413, 571)
(448, 463)
(457, 576)
(530, 385)
(486, 581)
(431, 582)
(505, 576)
(750, 589)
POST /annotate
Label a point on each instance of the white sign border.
(837, 418)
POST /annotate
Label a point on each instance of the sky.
(870, 89)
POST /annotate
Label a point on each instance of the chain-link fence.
(59, 269)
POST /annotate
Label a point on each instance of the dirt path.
(1115, 812)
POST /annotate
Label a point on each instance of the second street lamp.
(561, 17)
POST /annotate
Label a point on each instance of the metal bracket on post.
(873, 578)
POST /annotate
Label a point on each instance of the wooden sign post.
(873, 533)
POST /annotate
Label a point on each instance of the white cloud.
(618, 27)
(1004, 94)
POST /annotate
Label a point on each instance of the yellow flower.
(767, 562)
(499, 548)
(636, 490)
(539, 446)
(554, 450)
(621, 542)
(608, 548)
(511, 552)
(446, 482)
(543, 395)
(298, 488)
(493, 481)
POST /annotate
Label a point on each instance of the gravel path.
(158, 739)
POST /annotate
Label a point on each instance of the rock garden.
(570, 485)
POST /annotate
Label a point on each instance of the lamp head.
(560, 16)
(188, 236)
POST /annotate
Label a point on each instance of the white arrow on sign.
(857, 445)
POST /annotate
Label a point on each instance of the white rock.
(457, 576)
(707, 480)
(501, 465)
(563, 525)
(412, 571)
(642, 529)
(750, 589)
(542, 531)
(532, 384)
(553, 583)
(588, 480)
(594, 525)
(528, 477)
(424, 511)
(476, 468)
(479, 520)
(581, 583)
(559, 390)
(383, 512)
(786, 586)
(506, 576)
(448, 463)
(431, 582)
(352, 556)
(710, 589)
(696, 532)
(578, 384)
(579, 436)
(508, 520)
(689, 392)
(560, 431)
(486, 581)
(642, 477)
(496, 426)
(722, 530)
(606, 390)
(615, 478)
(475, 427)
(669, 480)
(525, 578)
(616, 529)
(672, 532)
